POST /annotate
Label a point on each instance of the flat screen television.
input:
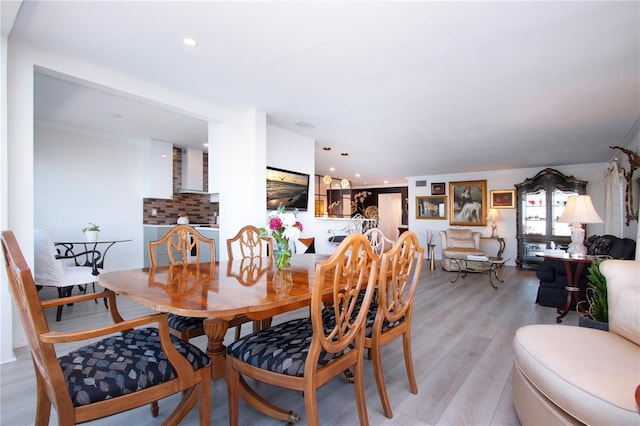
(291, 189)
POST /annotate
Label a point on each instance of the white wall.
(506, 179)
(6, 305)
(290, 151)
(239, 127)
(80, 177)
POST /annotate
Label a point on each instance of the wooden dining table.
(221, 293)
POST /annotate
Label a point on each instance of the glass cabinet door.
(558, 203)
(534, 213)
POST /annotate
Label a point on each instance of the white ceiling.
(406, 88)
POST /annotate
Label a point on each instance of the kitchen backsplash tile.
(197, 207)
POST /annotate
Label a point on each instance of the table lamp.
(579, 210)
(493, 216)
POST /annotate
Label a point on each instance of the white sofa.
(458, 243)
(574, 375)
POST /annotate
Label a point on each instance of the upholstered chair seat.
(184, 324)
(122, 364)
(293, 337)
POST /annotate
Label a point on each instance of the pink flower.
(275, 223)
(298, 225)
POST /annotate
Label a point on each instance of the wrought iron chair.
(53, 270)
(320, 350)
(133, 367)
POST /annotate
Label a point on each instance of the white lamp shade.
(579, 209)
(494, 215)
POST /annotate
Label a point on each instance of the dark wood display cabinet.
(540, 202)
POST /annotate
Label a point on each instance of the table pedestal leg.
(215, 329)
(573, 291)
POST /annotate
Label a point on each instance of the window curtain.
(614, 199)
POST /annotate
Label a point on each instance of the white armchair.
(458, 243)
(576, 375)
(51, 271)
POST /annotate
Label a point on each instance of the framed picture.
(433, 207)
(468, 203)
(503, 199)
(437, 188)
(291, 189)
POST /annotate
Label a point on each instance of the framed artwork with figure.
(431, 207)
(468, 203)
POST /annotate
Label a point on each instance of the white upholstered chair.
(458, 243)
(52, 271)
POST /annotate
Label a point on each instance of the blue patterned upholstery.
(122, 364)
(180, 323)
(288, 356)
(328, 316)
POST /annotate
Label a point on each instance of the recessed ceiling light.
(205, 144)
(332, 169)
(327, 148)
(357, 174)
(386, 181)
(188, 41)
(114, 115)
(344, 154)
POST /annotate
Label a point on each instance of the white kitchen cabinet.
(159, 170)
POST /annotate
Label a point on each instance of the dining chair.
(132, 366)
(183, 245)
(248, 244)
(303, 354)
(379, 242)
(389, 316)
(54, 270)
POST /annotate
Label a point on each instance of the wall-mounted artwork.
(468, 203)
(434, 207)
(437, 188)
(291, 189)
(503, 199)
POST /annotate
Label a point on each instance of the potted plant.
(91, 232)
(597, 314)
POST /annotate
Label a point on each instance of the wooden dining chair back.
(248, 243)
(390, 314)
(182, 244)
(379, 242)
(107, 376)
(303, 354)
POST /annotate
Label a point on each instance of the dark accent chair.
(553, 277)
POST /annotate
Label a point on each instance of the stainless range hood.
(192, 171)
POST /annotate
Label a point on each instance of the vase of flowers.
(283, 227)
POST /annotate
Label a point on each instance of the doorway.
(390, 213)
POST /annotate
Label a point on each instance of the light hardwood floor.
(461, 336)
